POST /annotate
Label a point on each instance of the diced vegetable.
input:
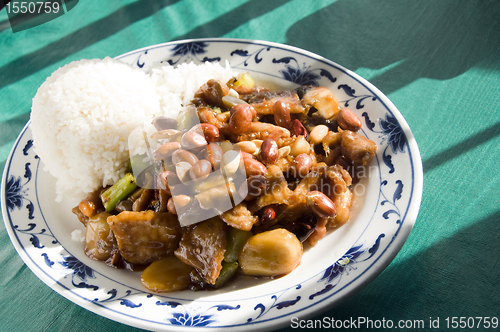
(270, 253)
(91, 205)
(235, 240)
(166, 275)
(98, 238)
(245, 80)
(187, 118)
(119, 191)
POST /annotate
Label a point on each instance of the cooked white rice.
(176, 86)
(83, 113)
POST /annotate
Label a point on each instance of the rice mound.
(82, 116)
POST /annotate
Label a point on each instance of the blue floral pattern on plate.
(377, 233)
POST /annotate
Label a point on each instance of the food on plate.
(270, 253)
(236, 183)
(82, 116)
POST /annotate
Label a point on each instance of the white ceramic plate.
(344, 261)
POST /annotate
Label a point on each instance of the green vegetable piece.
(226, 273)
(137, 165)
(235, 240)
(187, 118)
(245, 80)
(119, 191)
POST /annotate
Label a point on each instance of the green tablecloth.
(438, 61)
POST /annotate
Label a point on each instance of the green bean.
(235, 240)
(119, 191)
(226, 273)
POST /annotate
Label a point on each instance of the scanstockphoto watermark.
(364, 323)
(356, 323)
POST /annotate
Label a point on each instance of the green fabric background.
(438, 61)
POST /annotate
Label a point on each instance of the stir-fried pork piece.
(277, 191)
(146, 236)
(343, 202)
(203, 246)
(240, 217)
(356, 148)
(212, 92)
(207, 115)
(341, 195)
(262, 131)
(265, 106)
(323, 100)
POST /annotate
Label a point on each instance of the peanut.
(182, 170)
(302, 165)
(178, 202)
(248, 147)
(317, 134)
(192, 140)
(269, 151)
(213, 92)
(254, 167)
(284, 151)
(347, 120)
(241, 118)
(162, 122)
(300, 146)
(257, 142)
(230, 162)
(166, 180)
(210, 132)
(183, 155)
(165, 134)
(166, 150)
(281, 113)
(214, 153)
(320, 204)
(200, 170)
(171, 206)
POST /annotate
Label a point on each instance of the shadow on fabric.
(414, 39)
(462, 147)
(80, 39)
(233, 19)
(439, 277)
(448, 272)
(10, 129)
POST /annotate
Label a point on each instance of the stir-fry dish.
(240, 181)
